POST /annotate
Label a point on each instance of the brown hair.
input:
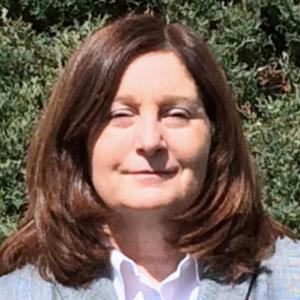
(62, 231)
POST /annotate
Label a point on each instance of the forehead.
(157, 74)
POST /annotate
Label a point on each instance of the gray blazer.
(278, 279)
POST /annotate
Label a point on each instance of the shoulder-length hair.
(62, 232)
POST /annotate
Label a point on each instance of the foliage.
(30, 64)
(43, 14)
(257, 42)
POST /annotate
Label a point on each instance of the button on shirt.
(130, 284)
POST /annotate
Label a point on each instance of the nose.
(149, 138)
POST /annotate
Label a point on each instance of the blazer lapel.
(212, 290)
(213, 287)
(101, 289)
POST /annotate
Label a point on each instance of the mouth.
(144, 173)
(149, 171)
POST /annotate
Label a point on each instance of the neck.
(143, 239)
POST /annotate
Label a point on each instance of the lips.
(168, 171)
(150, 178)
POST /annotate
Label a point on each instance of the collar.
(129, 281)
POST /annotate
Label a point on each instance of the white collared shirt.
(130, 284)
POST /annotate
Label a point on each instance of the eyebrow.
(168, 100)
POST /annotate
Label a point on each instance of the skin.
(149, 159)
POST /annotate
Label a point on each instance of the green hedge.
(257, 42)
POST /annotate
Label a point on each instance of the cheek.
(193, 156)
(103, 163)
(103, 158)
(195, 168)
(97, 156)
(107, 149)
(194, 148)
(197, 153)
(100, 157)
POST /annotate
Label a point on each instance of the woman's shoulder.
(280, 273)
(27, 284)
(18, 284)
(286, 254)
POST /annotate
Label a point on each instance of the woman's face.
(152, 152)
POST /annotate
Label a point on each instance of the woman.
(140, 183)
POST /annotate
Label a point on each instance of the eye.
(178, 112)
(120, 113)
(176, 117)
(121, 117)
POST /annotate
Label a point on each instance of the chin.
(156, 200)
